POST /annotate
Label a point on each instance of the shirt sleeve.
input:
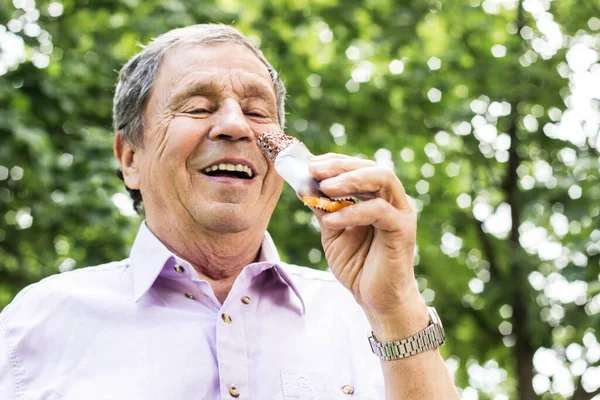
(7, 382)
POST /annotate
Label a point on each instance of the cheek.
(183, 137)
(275, 181)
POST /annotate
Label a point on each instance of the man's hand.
(370, 245)
(370, 249)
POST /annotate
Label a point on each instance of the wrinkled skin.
(206, 105)
(370, 245)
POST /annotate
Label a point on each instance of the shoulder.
(311, 281)
(320, 289)
(56, 291)
(308, 274)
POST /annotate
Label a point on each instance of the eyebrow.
(253, 90)
(213, 89)
(203, 88)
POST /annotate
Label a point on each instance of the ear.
(126, 156)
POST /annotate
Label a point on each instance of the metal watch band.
(431, 337)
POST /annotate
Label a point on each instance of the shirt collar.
(149, 256)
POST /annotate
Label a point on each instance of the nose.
(230, 123)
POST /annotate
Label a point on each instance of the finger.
(376, 212)
(327, 168)
(382, 182)
(330, 156)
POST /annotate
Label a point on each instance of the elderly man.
(204, 308)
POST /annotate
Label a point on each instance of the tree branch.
(581, 394)
(483, 324)
(13, 279)
(488, 250)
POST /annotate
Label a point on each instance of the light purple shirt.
(139, 329)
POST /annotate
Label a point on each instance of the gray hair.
(137, 77)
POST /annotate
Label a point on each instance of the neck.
(217, 257)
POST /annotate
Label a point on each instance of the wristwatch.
(431, 337)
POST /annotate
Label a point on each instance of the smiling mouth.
(238, 171)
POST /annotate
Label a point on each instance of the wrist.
(407, 319)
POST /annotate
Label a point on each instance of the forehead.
(225, 65)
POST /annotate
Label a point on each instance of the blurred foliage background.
(487, 110)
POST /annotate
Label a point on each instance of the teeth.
(230, 167)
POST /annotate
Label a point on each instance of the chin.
(229, 218)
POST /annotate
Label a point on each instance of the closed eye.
(198, 111)
(256, 114)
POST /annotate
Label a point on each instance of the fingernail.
(328, 183)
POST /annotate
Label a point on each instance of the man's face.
(207, 107)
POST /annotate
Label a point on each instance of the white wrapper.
(292, 165)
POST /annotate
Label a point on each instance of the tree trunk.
(523, 349)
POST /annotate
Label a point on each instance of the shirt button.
(234, 392)
(348, 389)
(227, 319)
(189, 296)
(178, 268)
(246, 300)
